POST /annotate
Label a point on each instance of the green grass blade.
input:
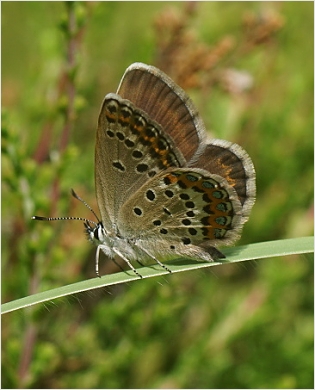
(236, 254)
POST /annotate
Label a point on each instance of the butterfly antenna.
(63, 219)
(38, 218)
(75, 195)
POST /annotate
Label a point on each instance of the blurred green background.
(248, 66)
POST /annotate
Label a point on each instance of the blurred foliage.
(249, 68)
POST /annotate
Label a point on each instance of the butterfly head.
(96, 233)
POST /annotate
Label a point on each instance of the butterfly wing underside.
(182, 208)
(130, 149)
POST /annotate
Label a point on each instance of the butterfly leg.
(127, 261)
(154, 258)
(118, 265)
(97, 261)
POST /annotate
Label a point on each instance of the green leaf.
(233, 255)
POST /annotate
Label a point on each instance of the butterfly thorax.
(109, 242)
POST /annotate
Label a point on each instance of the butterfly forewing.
(130, 149)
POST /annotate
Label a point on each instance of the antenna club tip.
(39, 218)
(74, 194)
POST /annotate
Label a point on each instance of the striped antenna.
(38, 218)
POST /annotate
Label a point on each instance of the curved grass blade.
(233, 255)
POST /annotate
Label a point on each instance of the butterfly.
(164, 190)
